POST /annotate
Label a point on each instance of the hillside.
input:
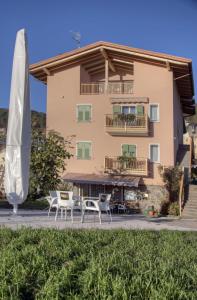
(38, 118)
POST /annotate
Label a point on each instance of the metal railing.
(127, 165)
(116, 87)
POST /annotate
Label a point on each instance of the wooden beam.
(123, 61)
(168, 65)
(186, 75)
(95, 68)
(104, 53)
(46, 71)
(93, 63)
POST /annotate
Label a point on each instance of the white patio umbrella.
(18, 142)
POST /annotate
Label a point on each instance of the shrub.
(171, 178)
(48, 155)
(173, 209)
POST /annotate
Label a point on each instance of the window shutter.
(87, 115)
(132, 150)
(140, 110)
(116, 109)
(87, 150)
(79, 151)
(125, 149)
(80, 115)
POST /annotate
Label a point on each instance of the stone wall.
(156, 196)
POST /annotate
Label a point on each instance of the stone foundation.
(156, 196)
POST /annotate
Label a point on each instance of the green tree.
(48, 155)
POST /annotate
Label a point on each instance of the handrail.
(181, 192)
(136, 165)
(114, 87)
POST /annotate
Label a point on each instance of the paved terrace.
(39, 219)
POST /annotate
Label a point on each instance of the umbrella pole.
(15, 209)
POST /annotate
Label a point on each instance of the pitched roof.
(121, 56)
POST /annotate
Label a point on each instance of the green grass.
(97, 264)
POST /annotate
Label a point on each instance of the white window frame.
(154, 144)
(149, 112)
(89, 104)
(127, 106)
(77, 149)
(129, 144)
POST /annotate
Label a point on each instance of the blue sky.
(168, 26)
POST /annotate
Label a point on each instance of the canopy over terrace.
(103, 182)
(101, 56)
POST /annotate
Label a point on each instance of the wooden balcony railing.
(122, 87)
(127, 124)
(92, 88)
(118, 87)
(126, 166)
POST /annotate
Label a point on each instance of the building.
(190, 137)
(125, 107)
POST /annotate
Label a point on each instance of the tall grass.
(118, 264)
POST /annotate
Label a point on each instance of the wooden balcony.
(126, 166)
(129, 125)
(116, 87)
(93, 88)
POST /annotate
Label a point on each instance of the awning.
(102, 179)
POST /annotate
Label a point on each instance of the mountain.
(38, 119)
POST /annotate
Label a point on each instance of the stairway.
(190, 208)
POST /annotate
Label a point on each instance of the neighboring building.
(118, 101)
(190, 137)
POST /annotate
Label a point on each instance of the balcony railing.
(92, 88)
(126, 166)
(118, 87)
(122, 124)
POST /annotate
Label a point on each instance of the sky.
(168, 26)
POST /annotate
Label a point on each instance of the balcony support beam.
(111, 65)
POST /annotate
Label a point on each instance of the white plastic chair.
(52, 199)
(65, 202)
(104, 204)
(97, 204)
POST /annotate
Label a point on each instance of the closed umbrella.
(18, 141)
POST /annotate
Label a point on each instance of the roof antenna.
(76, 36)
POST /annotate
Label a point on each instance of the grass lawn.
(97, 264)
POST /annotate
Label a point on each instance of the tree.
(48, 155)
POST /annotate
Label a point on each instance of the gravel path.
(39, 219)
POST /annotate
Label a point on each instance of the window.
(129, 150)
(154, 112)
(154, 153)
(84, 113)
(84, 150)
(129, 109)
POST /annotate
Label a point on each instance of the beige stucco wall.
(64, 95)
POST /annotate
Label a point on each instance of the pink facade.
(152, 84)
